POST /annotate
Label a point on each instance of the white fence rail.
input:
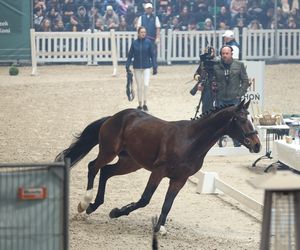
(210, 183)
(175, 46)
(269, 44)
(73, 47)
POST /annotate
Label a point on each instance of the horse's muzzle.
(256, 147)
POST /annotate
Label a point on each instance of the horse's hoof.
(114, 213)
(162, 231)
(89, 210)
(79, 208)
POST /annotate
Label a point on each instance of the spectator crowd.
(122, 15)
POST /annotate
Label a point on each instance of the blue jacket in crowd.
(141, 51)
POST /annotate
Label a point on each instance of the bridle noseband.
(244, 134)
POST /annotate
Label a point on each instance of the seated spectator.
(272, 24)
(267, 16)
(37, 18)
(104, 3)
(192, 25)
(130, 17)
(223, 26)
(46, 25)
(40, 4)
(175, 24)
(255, 25)
(166, 18)
(99, 25)
(236, 6)
(68, 9)
(83, 18)
(202, 14)
(74, 24)
(53, 15)
(224, 17)
(291, 23)
(136, 23)
(184, 18)
(94, 15)
(59, 26)
(241, 19)
(208, 24)
(281, 18)
(122, 8)
(111, 19)
(123, 24)
(255, 10)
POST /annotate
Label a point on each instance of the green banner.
(15, 20)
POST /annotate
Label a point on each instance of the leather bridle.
(245, 135)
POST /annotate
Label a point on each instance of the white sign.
(256, 75)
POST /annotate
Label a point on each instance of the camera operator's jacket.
(236, 84)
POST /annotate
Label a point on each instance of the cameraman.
(231, 78)
(204, 78)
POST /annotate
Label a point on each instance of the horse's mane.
(212, 111)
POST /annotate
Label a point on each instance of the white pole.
(33, 52)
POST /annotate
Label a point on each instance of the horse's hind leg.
(152, 184)
(124, 165)
(93, 169)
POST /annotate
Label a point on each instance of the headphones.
(225, 46)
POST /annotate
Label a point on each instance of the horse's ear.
(241, 105)
(247, 104)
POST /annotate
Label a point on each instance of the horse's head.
(241, 128)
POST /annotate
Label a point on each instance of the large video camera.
(208, 59)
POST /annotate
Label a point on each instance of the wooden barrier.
(174, 46)
(209, 183)
(73, 47)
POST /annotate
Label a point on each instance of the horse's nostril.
(257, 147)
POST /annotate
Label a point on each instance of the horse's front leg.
(174, 188)
(152, 185)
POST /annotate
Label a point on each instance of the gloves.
(154, 71)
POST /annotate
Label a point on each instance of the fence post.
(89, 47)
(162, 46)
(33, 53)
(114, 51)
(169, 46)
(244, 43)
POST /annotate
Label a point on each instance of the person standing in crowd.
(152, 24)
(141, 51)
(229, 40)
(231, 78)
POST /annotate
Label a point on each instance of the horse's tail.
(83, 143)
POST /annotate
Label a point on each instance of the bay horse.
(167, 149)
